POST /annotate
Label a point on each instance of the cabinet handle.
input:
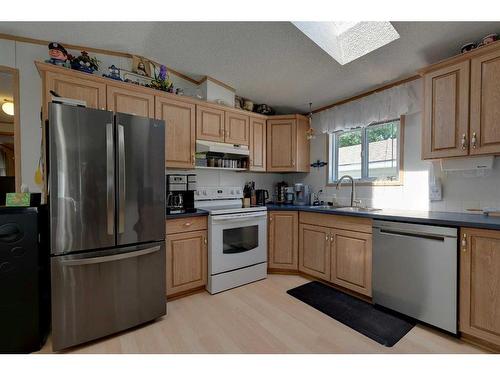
(205, 241)
(464, 142)
(464, 243)
(188, 224)
(270, 218)
(474, 140)
(331, 238)
(327, 238)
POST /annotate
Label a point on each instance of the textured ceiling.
(269, 62)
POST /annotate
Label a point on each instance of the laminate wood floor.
(259, 318)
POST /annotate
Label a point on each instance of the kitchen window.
(371, 155)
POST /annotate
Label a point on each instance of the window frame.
(333, 166)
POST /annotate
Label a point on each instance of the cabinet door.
(281, 145)
(236, 128)
(485, 104)
(130, 101)
(445, 129)
(351, 263)
(257, 144)
(93, 93)
(186, 261)
(283, 240)
(480, 284)
(180, 131)
(209, 124)
(314, 251)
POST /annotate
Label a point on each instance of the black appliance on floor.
(24, 279)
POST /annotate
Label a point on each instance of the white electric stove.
(237, 248)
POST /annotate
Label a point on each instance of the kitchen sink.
(346, 208)
(326, 207)
(358, 209)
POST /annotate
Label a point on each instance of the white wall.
(460, 190)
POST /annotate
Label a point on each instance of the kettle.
(261, 197)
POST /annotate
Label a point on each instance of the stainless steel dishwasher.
(415, 271)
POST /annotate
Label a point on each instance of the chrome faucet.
(353, 190)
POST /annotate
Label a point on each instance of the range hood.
(221, 148)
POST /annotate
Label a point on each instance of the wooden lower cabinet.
(351, 261)
(337, 249)
(187, 250)
(479, 312)
(314, 251)
(283, 240)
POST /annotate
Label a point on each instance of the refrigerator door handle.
(121, 179)
(109, 258)
(110, 179)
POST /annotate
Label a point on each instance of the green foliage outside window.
(374, 134)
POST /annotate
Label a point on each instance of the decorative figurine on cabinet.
(85, 63)
(58, 55)
(114, 73)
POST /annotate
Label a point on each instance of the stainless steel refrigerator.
(107, 222)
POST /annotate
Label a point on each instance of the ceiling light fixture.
(8, 107)
(346, 41)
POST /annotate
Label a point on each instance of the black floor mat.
(383, 326)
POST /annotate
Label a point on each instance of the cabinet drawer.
(357, 224)
(187, 224)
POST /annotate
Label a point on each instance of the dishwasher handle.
(427, 236)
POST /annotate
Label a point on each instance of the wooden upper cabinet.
(281, 145)
(257, 144)
(314, 251)
(485, 104)
(351, 260)
(209, 123)
(180, 131)
(480, 284)
(236, 128)
(69, 86)
(287, 144)
(283, 240)
(445, 131)
(129, 101)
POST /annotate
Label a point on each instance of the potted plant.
(161, 81)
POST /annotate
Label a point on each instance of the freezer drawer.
(99, 293)
(415, 271)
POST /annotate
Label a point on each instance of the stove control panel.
(216, 193)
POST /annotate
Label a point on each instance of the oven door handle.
(235, 218)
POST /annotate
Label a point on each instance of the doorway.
(10, 147)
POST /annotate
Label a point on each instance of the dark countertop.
(17, 210)
(198, 212)
(451, 219)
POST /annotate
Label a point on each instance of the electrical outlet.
(436, 190)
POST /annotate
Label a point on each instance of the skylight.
(346, 41)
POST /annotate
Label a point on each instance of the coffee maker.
(302, 195)
(180, 193)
